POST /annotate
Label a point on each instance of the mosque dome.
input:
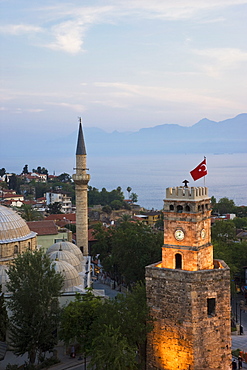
(71, 276)
(67, 257)
(13, 227)
(66, 246)
(4, 278)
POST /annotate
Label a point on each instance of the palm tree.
(29, 214)
(129, 190)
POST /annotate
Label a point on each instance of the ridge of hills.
(228, 136)
(205, 136)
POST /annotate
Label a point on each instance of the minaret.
(188, 292)
(81, 179)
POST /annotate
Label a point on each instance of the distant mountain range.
(229, 136)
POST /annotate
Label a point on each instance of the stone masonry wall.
(185, 337)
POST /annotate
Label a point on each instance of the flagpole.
(204, 176)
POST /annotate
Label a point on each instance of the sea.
(150, 175)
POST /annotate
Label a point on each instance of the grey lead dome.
(13, 227)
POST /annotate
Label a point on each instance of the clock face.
(203, 233)
(179, 234)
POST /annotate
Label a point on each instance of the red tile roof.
(45, 227)
(63, 216)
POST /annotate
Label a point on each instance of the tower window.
(187, 208)
(171, 207)
(179, 209)
(211, 307)
(178, 261)
(16, 249)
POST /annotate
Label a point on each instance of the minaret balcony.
(81, 179)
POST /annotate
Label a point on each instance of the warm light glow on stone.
(172, 349)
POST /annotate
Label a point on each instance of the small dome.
(4, 277)
(66, 246)
(13, 227)
(71, 276)
(67, 257)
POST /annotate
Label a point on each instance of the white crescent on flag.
(199, 171)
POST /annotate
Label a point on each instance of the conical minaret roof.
(81, 149)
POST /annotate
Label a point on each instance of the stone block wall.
(189, 334)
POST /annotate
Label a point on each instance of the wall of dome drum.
(66, 246)
(15, 235)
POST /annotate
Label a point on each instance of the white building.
(59, 197)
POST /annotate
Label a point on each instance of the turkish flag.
(200, 170)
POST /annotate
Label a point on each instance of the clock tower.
(188, 292)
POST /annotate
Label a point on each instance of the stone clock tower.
(188, 292)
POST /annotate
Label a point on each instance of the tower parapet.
(190, 193)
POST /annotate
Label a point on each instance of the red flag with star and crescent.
(200, 170)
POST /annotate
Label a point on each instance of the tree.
(224, 231)
(116, 204)
(77, 320)
(2, 171)
(28, 213)
(129, 190)
(107, 209)
(125, 250)
(111, 351)
(3, 317)
(25, 169)
(240, 222)
(133, 197)
(64, 177)
(54, 208)
(40, 170)
(116, 322)
(213, 201)
(34, 306)
(224, 206)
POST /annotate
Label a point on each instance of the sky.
(120, 64)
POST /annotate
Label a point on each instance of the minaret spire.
(81, 148)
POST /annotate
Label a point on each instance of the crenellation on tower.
(187, 193)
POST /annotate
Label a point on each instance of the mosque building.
(67, 258)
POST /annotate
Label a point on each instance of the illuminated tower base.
(188, 292)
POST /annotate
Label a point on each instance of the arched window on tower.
(171, 207)
(178, 261)
(187, 208)
(16, 249)
(179, 209)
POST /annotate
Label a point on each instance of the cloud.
(68, 37)
(65, 26)
(153, 95)
(75, 107)
(19, 29)
(221, 59)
